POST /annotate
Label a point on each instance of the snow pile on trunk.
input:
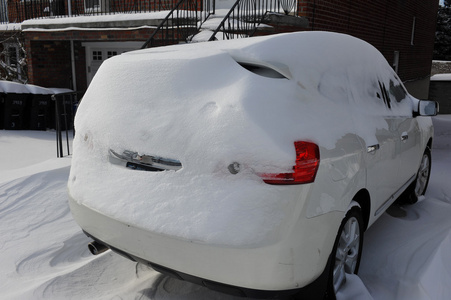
(197, 104)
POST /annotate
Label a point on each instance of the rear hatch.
(175, 141)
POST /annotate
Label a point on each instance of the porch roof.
(120, 20)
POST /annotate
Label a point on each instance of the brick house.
(65, 41)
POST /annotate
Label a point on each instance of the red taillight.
(304, 171)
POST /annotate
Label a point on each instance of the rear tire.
(347, 251)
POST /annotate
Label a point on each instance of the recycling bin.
(40, 114)
(39, 108)
(13, 108)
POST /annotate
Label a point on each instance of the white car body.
(210, 218)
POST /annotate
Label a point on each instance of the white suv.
(251, 166)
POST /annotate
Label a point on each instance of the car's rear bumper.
(314, 290)
(284, 267)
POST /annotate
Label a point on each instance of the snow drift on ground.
(44, 253)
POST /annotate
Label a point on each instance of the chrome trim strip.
(144, 161)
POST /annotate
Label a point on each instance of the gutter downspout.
(72, 51)
(72, 58)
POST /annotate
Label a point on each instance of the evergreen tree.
(442, 46)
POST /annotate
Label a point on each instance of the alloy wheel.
(347, 253)
(423, 175)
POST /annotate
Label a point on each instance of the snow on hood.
(197, 104)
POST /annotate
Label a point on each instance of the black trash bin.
(40, 112)
(40, 108)
(14, 101)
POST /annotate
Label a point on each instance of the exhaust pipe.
(97, 248)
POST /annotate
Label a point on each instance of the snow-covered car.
(252, 166)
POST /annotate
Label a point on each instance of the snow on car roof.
(210, 70)
(293, 50)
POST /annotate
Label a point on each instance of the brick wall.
(386, 24)
(49, 63)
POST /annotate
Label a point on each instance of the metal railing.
(21, 10)
(245, 16)
(182, 23)
(65, 108)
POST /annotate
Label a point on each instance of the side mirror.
(427, 108)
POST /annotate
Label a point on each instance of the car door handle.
(404, 137)
(373, 148)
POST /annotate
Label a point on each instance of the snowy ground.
(44, 254)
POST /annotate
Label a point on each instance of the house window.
(97, 6)
(92, 6)
(97, 55)
(12, 57)
(13, 61)
(111, 53)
